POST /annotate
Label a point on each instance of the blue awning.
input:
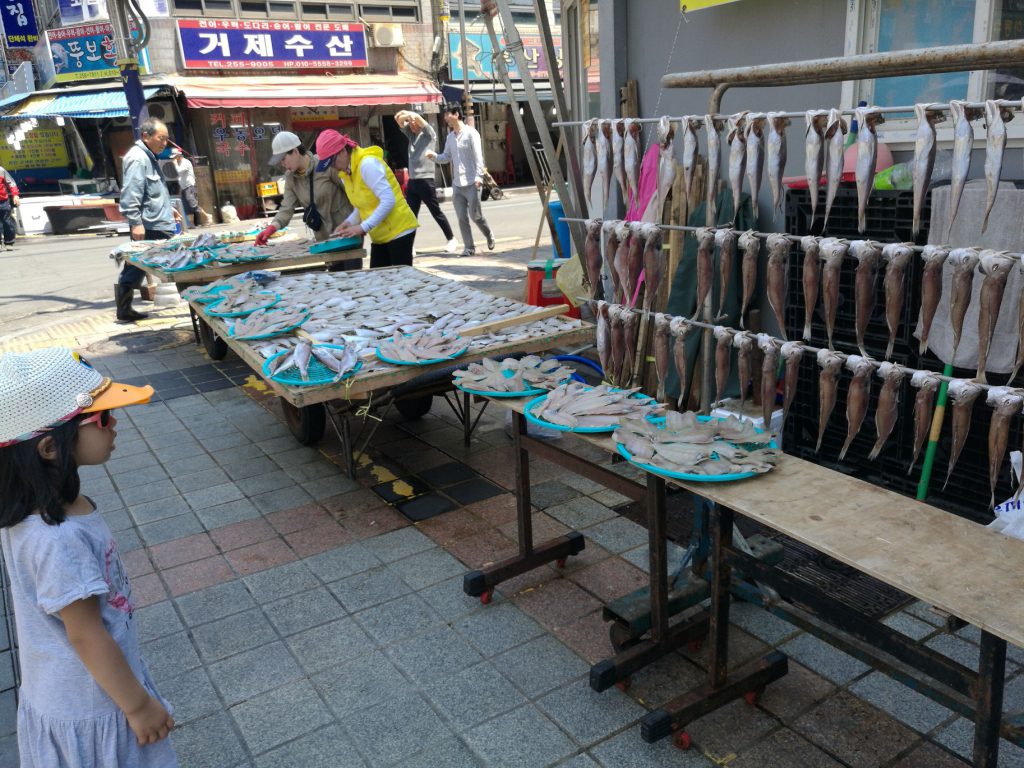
(94, 104)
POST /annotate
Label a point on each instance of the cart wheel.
(620, 637)
(624, 684)
(414, 408)
(485, 597)
(681, 740)
(497, 193)
(753, 697)
(560, 562)
(214, 345)
(307, 424)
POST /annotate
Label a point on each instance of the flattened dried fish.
(896, 256)
(769, 347)
(857, 397)
(666, 168)
(887, 408)
(814, 145)
(662, 331)
(723, 359)
(777, 276)
(631, 156)
(618, 325)
(725, 239)
(589, 158)
(792, 354)
(690, 126)
(753, 135)
(963, 144)
(634, 262)
(996, 116)
(611, 247)
(830, 364)
(680, 330)
(964, 262)
(833, 252)
(705, 266)
(576, 405)
(1006, 403)
(592, 253)
(618, 161)
(604, 159)
(835, 141)
(632, 320)
(744, 343)
(654, 265)
(867, 154)
(811, 279)
(927, 384)
(624, 233)
(924, 158)
(777, 122)
(751, 246)
(995, 266)
(737, 159)
(962, 393)
(604, 336)
(866, 252)
(934, 258)
(711, 128)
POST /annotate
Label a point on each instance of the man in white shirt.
(187, 182)
(462, 149)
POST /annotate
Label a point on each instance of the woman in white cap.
(87, 697)
(305, 185)
(380, 208)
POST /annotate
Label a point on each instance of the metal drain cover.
(149, 341)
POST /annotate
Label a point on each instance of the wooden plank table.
(956, 565)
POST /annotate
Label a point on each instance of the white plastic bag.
(1010, 514)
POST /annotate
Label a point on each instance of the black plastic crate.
(890, 215)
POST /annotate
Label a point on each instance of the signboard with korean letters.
(230, 44)
(20, 30)
(87, 53)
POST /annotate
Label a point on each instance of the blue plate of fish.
(421, 348)
(243, 254)
(271, 298)
(320, 369)
(749, 448)
(512, 377)
(268, 323)
(576, 407)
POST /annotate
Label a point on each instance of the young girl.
(86, 696)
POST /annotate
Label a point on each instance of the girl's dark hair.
(302, 150)
(29, 483)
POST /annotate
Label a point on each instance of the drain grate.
(864, 594)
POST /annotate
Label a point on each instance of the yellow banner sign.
(233, 177)
(41, 148)
(699, 5)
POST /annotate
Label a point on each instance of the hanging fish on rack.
(631, 157)
(830, 364)
(631, 322)
(769, 347)
(811, 278)
(897, 257)
(835, 144)
(867, 153)
(924, 158)
(691, 125)
(866, 252)
(857, 397)
(996, 115)
(814, 144)
(618, 161)
(934, 258)
(604, 159)
(1006, 403)
(589, 158)
(750, 244)
(964, 262)
(610, 231)
(653, 264)
(666, 169)
(680, 330)
(705, 266)
(634, 262)
(723, 359)
(963, 145)
(777, 276)
(725, 239)
(792, 354)
(711, 128)
(833, 253)
(744, 343)
(592, 257)
(737, 159)
(995, 266)
(887, 407)
(662, 331)
(753, 135)
(776, 143)
(1019, 357)
(962, 393)
(927, 383)
(624, 232)
(604, 338)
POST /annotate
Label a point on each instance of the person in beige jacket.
(328, 193)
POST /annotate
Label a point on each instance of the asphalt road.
(50, 279)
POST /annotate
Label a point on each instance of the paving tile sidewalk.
(296, 618)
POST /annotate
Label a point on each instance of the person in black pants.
(8, 202)
(421, 187)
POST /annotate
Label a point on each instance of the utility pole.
(467, 99)
(121, 16)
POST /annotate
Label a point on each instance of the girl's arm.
(102, 656)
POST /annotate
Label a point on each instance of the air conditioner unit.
(161, 110)
(388, 36)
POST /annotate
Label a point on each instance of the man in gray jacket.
(146, 205)
(421, 187)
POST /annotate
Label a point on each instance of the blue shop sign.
(20, 24)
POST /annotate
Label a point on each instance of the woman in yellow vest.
(380, 207)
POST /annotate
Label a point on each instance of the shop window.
(257, 9)
(219, 8)
(329, 11)
(397, 10)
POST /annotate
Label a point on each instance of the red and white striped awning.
(305, 91)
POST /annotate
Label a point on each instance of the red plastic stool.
(535, 274)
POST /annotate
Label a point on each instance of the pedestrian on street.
(146, 205)
(462, 149)
(187, 183)
(9, 200)
(422, 187)
(305, 187)
(87, 697)
(380, 208)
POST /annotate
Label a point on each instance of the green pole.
(933, 437)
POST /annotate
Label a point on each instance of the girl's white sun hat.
(44, 388)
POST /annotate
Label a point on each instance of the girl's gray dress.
(65, 720)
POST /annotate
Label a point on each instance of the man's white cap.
(283, 143)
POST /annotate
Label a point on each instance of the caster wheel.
(560, 562)
(752, 697)
(625, 684)
(485, 597)
(681, 740)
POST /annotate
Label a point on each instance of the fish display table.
(378, 383)
(962, 568)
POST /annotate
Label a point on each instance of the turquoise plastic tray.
(260, 337)
(186, 268)
(691, 478)
(452, 356)
(242, 312)
(532, 405)
(507, 375)
(318, 372)
(336, 244)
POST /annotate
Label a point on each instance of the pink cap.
(328, 144)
